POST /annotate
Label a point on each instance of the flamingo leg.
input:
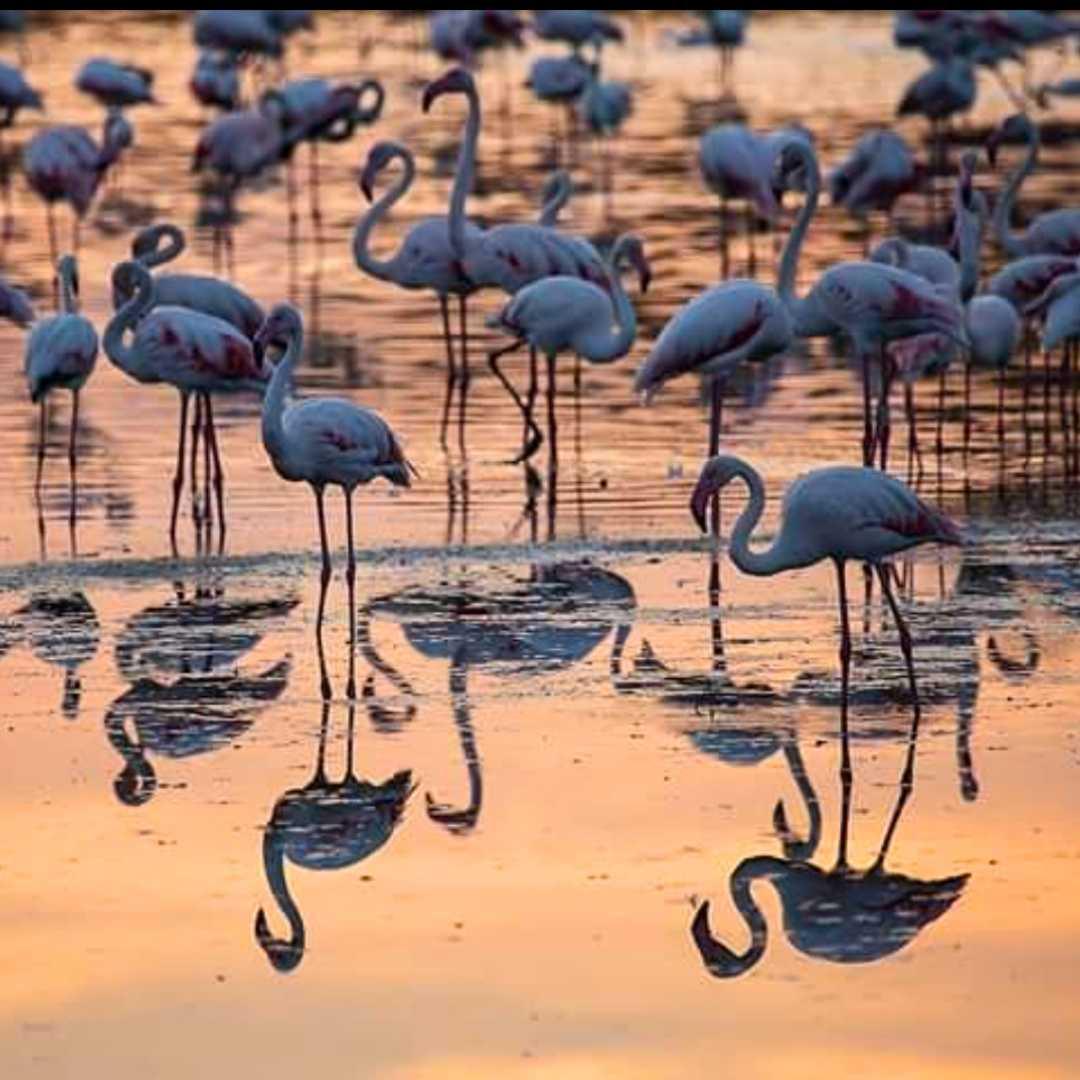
(178, 476)
(1001, 407)
(464, 375)
(208, 506)
(868, 431)
(43, 423)
(50, 217)
(350, 581)
(324, 580)
(888, 370)
(553, 450)
(313, 183)
(196, 427)
(905, 644)
(529, 448)
(219, 473)
(967, 411)
(534, 386)
(451, 370)
(72, 513)
(914, 453)
(716, 415)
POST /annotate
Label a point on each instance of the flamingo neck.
(172, 250)
(283, 955)
(383, 269)
(69, 300)
(1011, 242)
(722, 961)
(781, 556)
(606, 343)
(277, 394)
(559, 197)
(463, 177)
(969, 234)
(789, 261)
(126, 357)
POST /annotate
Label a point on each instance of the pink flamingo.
(215, 82)
(425, 259)
(1057, 232)
(325, 441)
(61, 351)
(194, 352)
(64, 163)
(736, 321)
(839, 513)
(1026, 279)
(576, 28)
(461, 34)
(558, 313)
(946, 89)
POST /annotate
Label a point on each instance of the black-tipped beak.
(991, 147)
(366, 186)
(699, 504)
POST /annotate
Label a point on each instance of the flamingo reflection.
(62, 629)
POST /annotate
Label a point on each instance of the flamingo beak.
(437, 88)
(367, 185)
(699, 502)
(991, 147)
(644, 271)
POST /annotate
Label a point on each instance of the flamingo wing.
(550, 313)
(60, 351)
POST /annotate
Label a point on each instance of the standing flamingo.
(946, 89)
(325, 441)
(194, 352)
(560, 312)
(64, 162)
(576, 28)
(114, 84)
(60, 352)
(1057, 232)
(215, 82)
(879, 169)
(839, 513)
(425, 259)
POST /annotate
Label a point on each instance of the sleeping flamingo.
(113, 84)
(576, 28)
(61, 351)
(839, 513)
(558, 313)
(64, 163)
(215, 82)
(196, 353)
(325, 441)
(1056, 232)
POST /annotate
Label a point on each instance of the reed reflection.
(841, 914)
(324, 825)
(541, 624)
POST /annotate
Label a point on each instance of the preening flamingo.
(325, 441)
(1056, 232)
(61, 351)
(879, 169)
(194, 352)
(15, 94)
(1026, 279)
(839, 513)
(558, 313)
(114, 84)
(64, 163)
(425, 259)
(557, 191)
(946, 89)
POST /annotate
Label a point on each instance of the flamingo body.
(1026, 279)
(114, 84)
(558, 78)
(875, 174)
(64, 163)
(16, 93)
(60, 352)
(216, 81)
(946, 89)
(576, 28)
(732, 164)
(238, 31)
(993, 328)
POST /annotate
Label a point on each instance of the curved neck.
(365, 260)
(763, 563)
(1010, 241)
(560, 195)
(463, 177)
(789, 261)
(160, 255)
(125, 319)
(969, 233)
(273, 413)
(608, 343)
(721, 961)
(274, 867)
(794, 848)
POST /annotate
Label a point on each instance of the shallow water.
(594, 744)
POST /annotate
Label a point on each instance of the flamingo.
(879, 169)
(839, 513)
(325, 441)
(735, 321)
(557, 191)
(561, 80)
(64, 162)
(425, 259)
(461, 34)
(61, 351)
(946, 89)
(15, 94)
(316, 110)
(215, 81)
(1056, 232)
(114, 84)
(199, 292)
(239, 31)
(15, 305)
(576, 28)
(325, 825)
(192, 351)
(561, 312)
(726, 30)
(1024, 280)
(604, 108)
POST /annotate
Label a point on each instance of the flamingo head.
(282, 325)
(128, 278)
(1015, 128)
(455, 81)
(67, 269)
(379, 156)
(716, 474)
(795, 165)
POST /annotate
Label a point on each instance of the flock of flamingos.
(908, 310)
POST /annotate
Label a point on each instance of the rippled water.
(563, 744)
